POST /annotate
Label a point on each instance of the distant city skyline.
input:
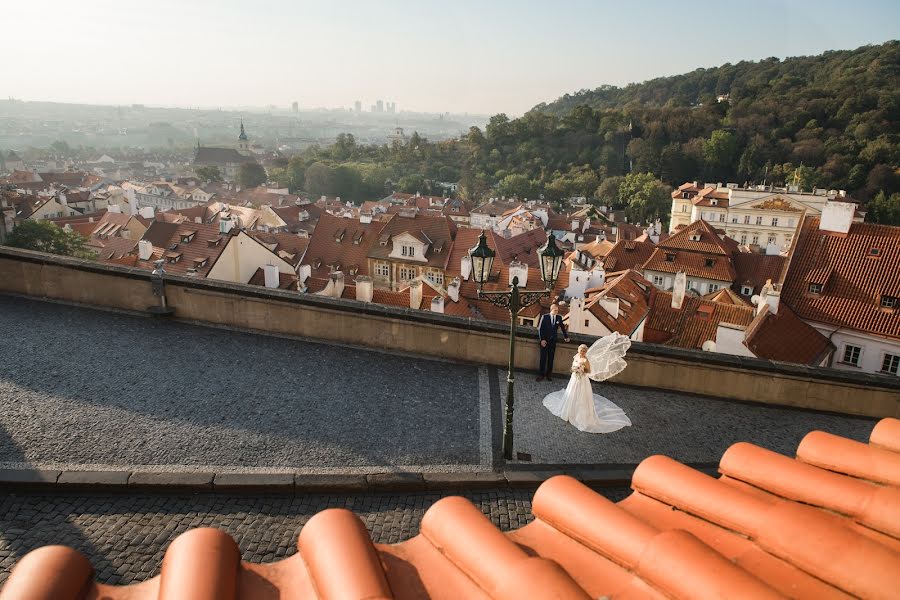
(466, 57)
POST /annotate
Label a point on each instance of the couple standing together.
(578, 404)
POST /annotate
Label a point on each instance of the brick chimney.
(364, 288)
(453, 290)
(678, 290)
(415, 294)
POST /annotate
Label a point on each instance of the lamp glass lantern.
(551, 260)
(482, 259)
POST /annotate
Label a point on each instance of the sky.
(483, 57)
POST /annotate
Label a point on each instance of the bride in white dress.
(577, 404)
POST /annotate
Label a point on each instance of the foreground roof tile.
(769, 527)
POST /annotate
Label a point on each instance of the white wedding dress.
(578, 404)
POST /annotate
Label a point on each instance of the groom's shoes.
(539, 378)
(549, 378)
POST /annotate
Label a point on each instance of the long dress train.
(577, 404)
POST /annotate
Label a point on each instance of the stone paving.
(688, 428)
(125, 536)
(82, 388)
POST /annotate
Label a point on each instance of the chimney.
(146, 212)
(520, 270)
(198, 219)
(337, 279)
(574, 224)
(114, 208)
(364, 289)
(225, 225)
(837, 216)
(453, 290)
(415, 294)
(437, 304)
(271, 275)
(770, 296)
(465, 267)
(145, 250)
(303, 273)
(365, 217)
(678, 290)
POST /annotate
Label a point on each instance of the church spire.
(243, 136)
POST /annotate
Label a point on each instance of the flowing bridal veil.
(577, 404)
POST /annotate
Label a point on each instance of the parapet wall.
(420, 332)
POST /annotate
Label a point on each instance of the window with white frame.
(890, 363)
(383, 270)
(755, 240)
(774, 221)
(435, 277)
(412, 251)
(406, 273)
(852, 354)
(657, 280)
(684, 208)
(714, 287)
(722, 217)
(403, 251)
(815, 288)
(888, 301)
(746, 219)
(746, 290)
(743, 239)
(734, 219)
(772, 239)
(587, 322)
(759, 220)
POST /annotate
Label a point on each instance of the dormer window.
(173, 257)
(187, 236)
(695, 237)
(670, 257)
(710, 262)
(412, 251)
(875, 252)
(214, 242)
(199, 263)
(746, 290)
(339, 236)
(888, 301)
(815, 288)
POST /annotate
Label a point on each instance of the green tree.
(44, 236)
(251, 174)
(319, 179)
(518, 186)
(61, 147)
(412, 184)
(608, 192)
(884, 209)
(644, 197)
(721, 152)
(210, 173)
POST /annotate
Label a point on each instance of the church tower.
(243, 144)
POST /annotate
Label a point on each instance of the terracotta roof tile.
(436, 231)
(711, 240)
(626, 255)
(694, 264)
(770, 527)
(754, 270)
(784, 337)
(694, 323)
(857, 277)
(337, 240)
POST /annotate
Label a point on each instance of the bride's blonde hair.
(582, 346)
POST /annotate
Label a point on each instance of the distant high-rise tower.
(379, 106)
(392, 107)
(357, 106)
(295, 107)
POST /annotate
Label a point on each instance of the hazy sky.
(488, 56)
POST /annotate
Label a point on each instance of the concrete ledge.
(39, 476)
(330, 483)
(482, 479)
(395, 481)
(254, 481)
(94, 478)
(530, 477)
(156, 479)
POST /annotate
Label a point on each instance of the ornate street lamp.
(482, 258)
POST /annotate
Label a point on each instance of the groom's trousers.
(547, 353)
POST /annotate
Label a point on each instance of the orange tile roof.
(769, 527)
(856, 277)
(726, 296)
(694, 323)
(710, 242)
(694, 264)
(438, 232)
(340, 241)
(197, 253)
(635, 296)
(626, 255)
(786, 338)
(754, 270)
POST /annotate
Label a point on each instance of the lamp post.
(482, 258)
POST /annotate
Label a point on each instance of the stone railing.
(283, 312)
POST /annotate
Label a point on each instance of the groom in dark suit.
(547, 327)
